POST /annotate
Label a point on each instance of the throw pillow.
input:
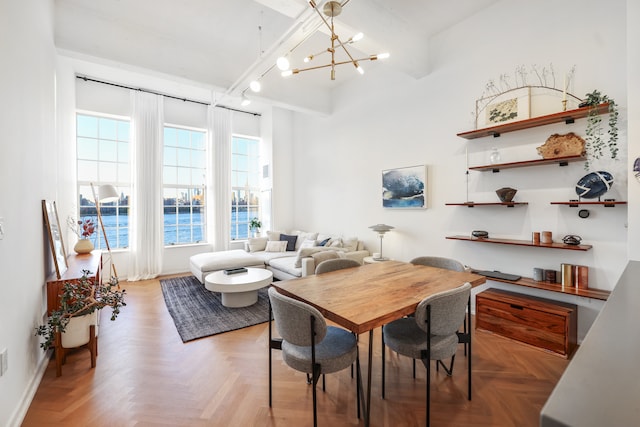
(257, 244)
(323, 256)
(291, 241)
(308, 243)
(273, 235)
(302, 236)
(335, 243)
(276, 246)
(324, 242)
(350, 244)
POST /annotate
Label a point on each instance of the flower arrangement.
(83, 228)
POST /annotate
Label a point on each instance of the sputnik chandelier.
(331, 9)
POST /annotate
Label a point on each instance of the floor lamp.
(381, 229)
(106, 193)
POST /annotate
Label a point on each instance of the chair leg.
(414, 368)
(448, 370)
(428, 382)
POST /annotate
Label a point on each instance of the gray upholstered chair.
(431, 334)
(308, 344)
(336, 264)
(439, 262)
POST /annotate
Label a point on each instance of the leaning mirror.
(55, 237)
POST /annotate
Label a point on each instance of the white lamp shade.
(107, 193)
(381, 228)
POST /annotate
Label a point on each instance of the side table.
(371, 260)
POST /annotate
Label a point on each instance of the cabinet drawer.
(547, 324)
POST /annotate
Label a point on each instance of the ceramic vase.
(84, 246)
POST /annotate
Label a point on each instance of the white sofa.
(305, 251)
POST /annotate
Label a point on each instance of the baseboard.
(21, 411)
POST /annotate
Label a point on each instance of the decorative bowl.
(594, 184)
(505, 194)
(480, 234)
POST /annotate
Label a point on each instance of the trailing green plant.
(78, 298)
(255, 224)
(595, 139)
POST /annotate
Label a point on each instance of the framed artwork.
(55, 237)
(510, 106)
(405, 188)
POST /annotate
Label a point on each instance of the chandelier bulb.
(255, 86)
(282, 63)
(287, 73)
(384, 55)
(357, 37)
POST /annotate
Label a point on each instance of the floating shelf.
(576, 203)
(472, 204)
(561, 161)
(557, 287)
(563, 116)
(522, 243)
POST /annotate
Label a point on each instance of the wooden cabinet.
(77, 264)
(543, 323)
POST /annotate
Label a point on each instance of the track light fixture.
(331, 9)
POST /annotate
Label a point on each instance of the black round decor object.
(480, 234)
(583, 213)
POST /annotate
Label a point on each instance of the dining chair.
(329, 265)
(431, 335)
(308, 344)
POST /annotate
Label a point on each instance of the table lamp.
(381, 229)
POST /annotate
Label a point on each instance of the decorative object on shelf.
(558, 145)
(405, 188)
(381, 229)
(508, 106)
(595, 143)
(636, 169)
(56, 242)
(550, 276)
(495, 157)
(594, 184)
(106, 193)
(572, 239)
(480, 234)
(581, 276)
(506, 194)
(535, 237)
(255, 225)
(546, 237)
(566, 271)
(538, 274)
(78, 298)
(583, 213)
(330, 10)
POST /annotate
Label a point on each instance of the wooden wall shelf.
(523, 243)
(561, 161)
(563, 116)
(557, 287)
(575, 203)
(473, 204)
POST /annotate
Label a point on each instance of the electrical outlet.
(4, 361)
(1, 228)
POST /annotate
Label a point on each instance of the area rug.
(199, 313)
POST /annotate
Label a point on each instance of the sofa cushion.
(286, 264)
(324, 242)
(291, 241)
(308, 243)
(257, 244)
(273, 235)
(350, 244)
(276, 246)
(323, 256)
(302, 236)
(307, 252)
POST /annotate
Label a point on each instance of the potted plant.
(83, 229)
(254, 226)
(80, 301)
(595, 140)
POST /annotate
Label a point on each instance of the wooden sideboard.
(77, 263)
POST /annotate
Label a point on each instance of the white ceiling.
(226, 44)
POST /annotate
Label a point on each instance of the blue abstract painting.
(405, 188)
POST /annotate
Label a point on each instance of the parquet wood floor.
(146, 376)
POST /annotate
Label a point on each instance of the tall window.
(102, 144)
(184, 185)
(245, 184)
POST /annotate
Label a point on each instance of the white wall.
(633, 82)
(29, 174)
(394, 121)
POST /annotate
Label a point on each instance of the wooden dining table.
(363, 298)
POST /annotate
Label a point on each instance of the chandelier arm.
(297, 70)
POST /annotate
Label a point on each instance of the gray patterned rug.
(199, 313)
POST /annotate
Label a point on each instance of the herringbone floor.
(146, 376)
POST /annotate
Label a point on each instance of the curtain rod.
(88, 79)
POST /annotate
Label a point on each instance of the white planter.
(77, 331)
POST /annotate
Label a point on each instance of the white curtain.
(146, 219)
(219, 177)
